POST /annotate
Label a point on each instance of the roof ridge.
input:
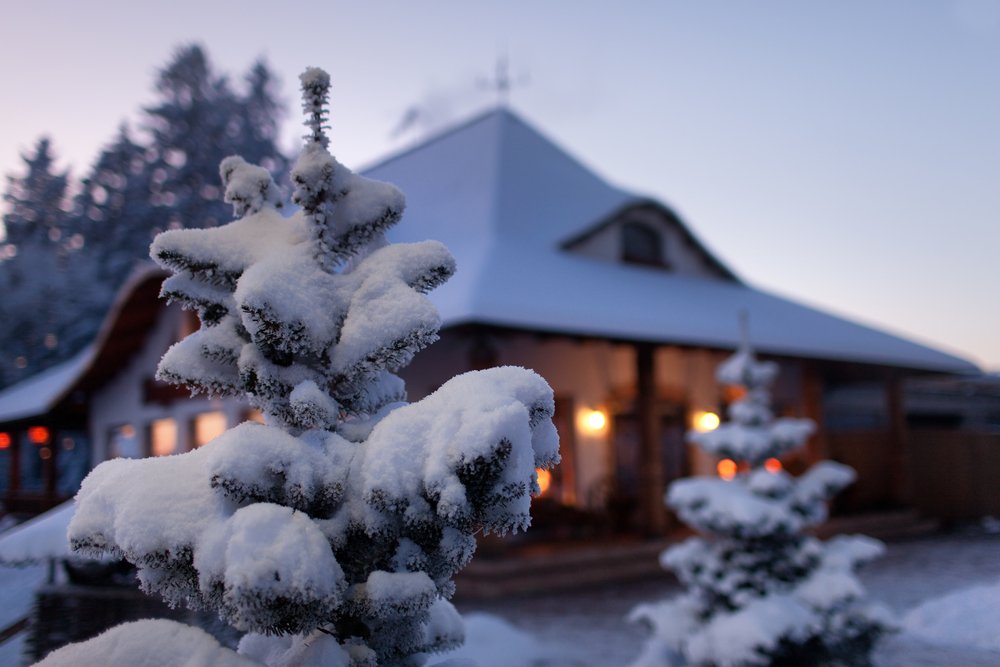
(436, 137)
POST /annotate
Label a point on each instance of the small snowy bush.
(331, 534)
(759, 591)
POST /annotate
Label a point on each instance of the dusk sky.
(843, 153)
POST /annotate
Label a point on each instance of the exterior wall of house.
(588, 375)
(122, 417)
(676, 249)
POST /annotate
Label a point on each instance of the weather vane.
(501, 81)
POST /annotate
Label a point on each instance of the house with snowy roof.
(608, 294)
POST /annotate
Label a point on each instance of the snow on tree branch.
(759, 591)
(333, 532)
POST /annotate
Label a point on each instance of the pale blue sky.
(845, 153)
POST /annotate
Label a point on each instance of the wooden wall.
(956, 474)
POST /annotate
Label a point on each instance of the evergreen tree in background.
(114, 207)
(759, 590)
(137, 187)
(331, 534)
(39, 273)
(198, 122)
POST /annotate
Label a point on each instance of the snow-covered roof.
(504, 199)
(122, 332)
(39, 393)
(38, 539)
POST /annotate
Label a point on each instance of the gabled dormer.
(649, 234)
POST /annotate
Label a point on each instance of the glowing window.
(163, 437)
(544, 480)
(772, 465)
(254, 415)
(207, 426)
(38, 435)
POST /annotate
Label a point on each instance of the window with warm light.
(38, 435)
(163, 437)
(544, 480)
(773, 466)
(5, 440)
(208, 426)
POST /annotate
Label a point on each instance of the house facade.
(605, 293)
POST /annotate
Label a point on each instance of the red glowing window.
(38, 435)
(4, 440)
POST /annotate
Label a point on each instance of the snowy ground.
(587, 628)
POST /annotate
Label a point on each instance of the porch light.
(773, 466)
(4, 440)
(726, 469)
(595, 421)
(38, 435)
(544, 480)
(704, 421)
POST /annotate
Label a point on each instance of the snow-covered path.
(587, 628)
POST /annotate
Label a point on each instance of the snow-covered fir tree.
(199, 120)
(139, 184)
(40, 270)
(759, 591)
(330, 534)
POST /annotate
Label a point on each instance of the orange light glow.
(544, 480)
(4, 440)
(772, 465)
(39, 435)
(726, 469)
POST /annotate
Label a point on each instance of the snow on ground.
(17, 595)
(942, 578)
(588, 628)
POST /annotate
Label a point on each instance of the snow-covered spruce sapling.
(331, 534)
(758, 590)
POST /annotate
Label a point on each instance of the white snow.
(149, 643)
(969, 617)
(38, 539)
(422, 446)
(588, 628)
(490, 641)
(39, 393)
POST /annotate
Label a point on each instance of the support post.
(899, 460)
(652, 513)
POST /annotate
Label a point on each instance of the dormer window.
(642, 244)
